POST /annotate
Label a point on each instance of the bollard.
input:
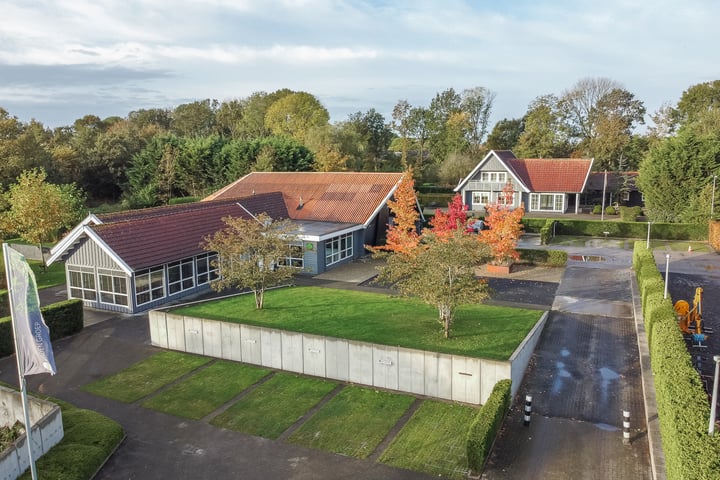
(626, 427)
(528, 409)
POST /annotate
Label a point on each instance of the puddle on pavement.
(565, 352)
(608, 375)
(606, 427)
(561, 373)
(586, 258)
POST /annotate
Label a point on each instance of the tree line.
(153, 155)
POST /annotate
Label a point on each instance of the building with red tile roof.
(550, 185)
(137, 260)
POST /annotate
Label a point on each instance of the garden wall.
(47, 431)
(451, 377)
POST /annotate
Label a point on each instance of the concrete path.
(584, 373)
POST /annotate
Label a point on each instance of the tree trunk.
(42, 258)
(259, 298)
(445, 319)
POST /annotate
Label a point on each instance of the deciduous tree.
(444, 224)
(441, 272)
(402, 234)
(252, 253)
(39, 211)
(504, 228)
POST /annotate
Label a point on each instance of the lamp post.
(712, 205)
(667, 273)
(647, 246)
(713, 407)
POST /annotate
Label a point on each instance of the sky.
(63, 59)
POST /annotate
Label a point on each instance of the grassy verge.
(275, 405)
(207, 390)
(146, 376)
(354, 422)
(434, 440)
(89, 439)
(479, 330)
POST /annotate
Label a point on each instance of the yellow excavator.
(690, 319)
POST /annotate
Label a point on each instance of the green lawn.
(354, 422)
(479, 330)
(206, 390)
(275, 405)
(54, 276)
(146, 376)
(434, 440)
(89, 440)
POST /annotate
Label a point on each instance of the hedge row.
(440, 200)
(544, 258)
(547, 231)
(683, 407)
(62, 318)
(486, 425)
(597, 228)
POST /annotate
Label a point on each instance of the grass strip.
(481, 331)
(354, 422)
(433, 441)
(88, 441)
(206, 390)
(146, 376)
(275, 405)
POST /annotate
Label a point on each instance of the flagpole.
(21, 375)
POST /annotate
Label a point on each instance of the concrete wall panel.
(193, 335)
(431, 365)
(385, 367)
(175, 331)
(522, 355)
(466, 379)
(292, 352)
(337, 359)
(314, 355)
(231, 341)
(158, 329)
(492, 372)
(360, 366)
(271, 348)
(251, 349)
(212, 338)
(444, 376)
(411, 371)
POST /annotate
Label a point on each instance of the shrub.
(665, 231)
(62, 318)
(610, 210)
(597, 210)
(545, 258)
(630, 214)
(547, 231)
(435, 199)
(486, 425)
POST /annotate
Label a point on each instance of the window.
(625, 196)
(113, 287)
(206, 268)
(295, 259)
(480, 198)
(149, 284)
(82, 284)
(493, 177)
(548, 202)
(338, 248)
(181, 275)
(501, 199)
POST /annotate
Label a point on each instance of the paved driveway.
(584, 373)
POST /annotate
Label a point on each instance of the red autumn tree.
(402, 235)
(444, 224)
(504, 227)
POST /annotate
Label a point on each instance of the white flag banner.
(32, 336)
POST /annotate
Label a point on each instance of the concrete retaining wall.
(47, 431)
(451, 377)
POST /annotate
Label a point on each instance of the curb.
(657, 455)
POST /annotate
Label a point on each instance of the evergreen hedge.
(62, 318)
(545, 258)
(486, 425)
(664, 231)
(683, 407)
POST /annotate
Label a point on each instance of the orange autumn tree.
(504, 227)
(444, 224)
(402, 235)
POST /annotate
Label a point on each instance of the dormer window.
(493, 177)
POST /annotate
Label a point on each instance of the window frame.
(338, 248)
